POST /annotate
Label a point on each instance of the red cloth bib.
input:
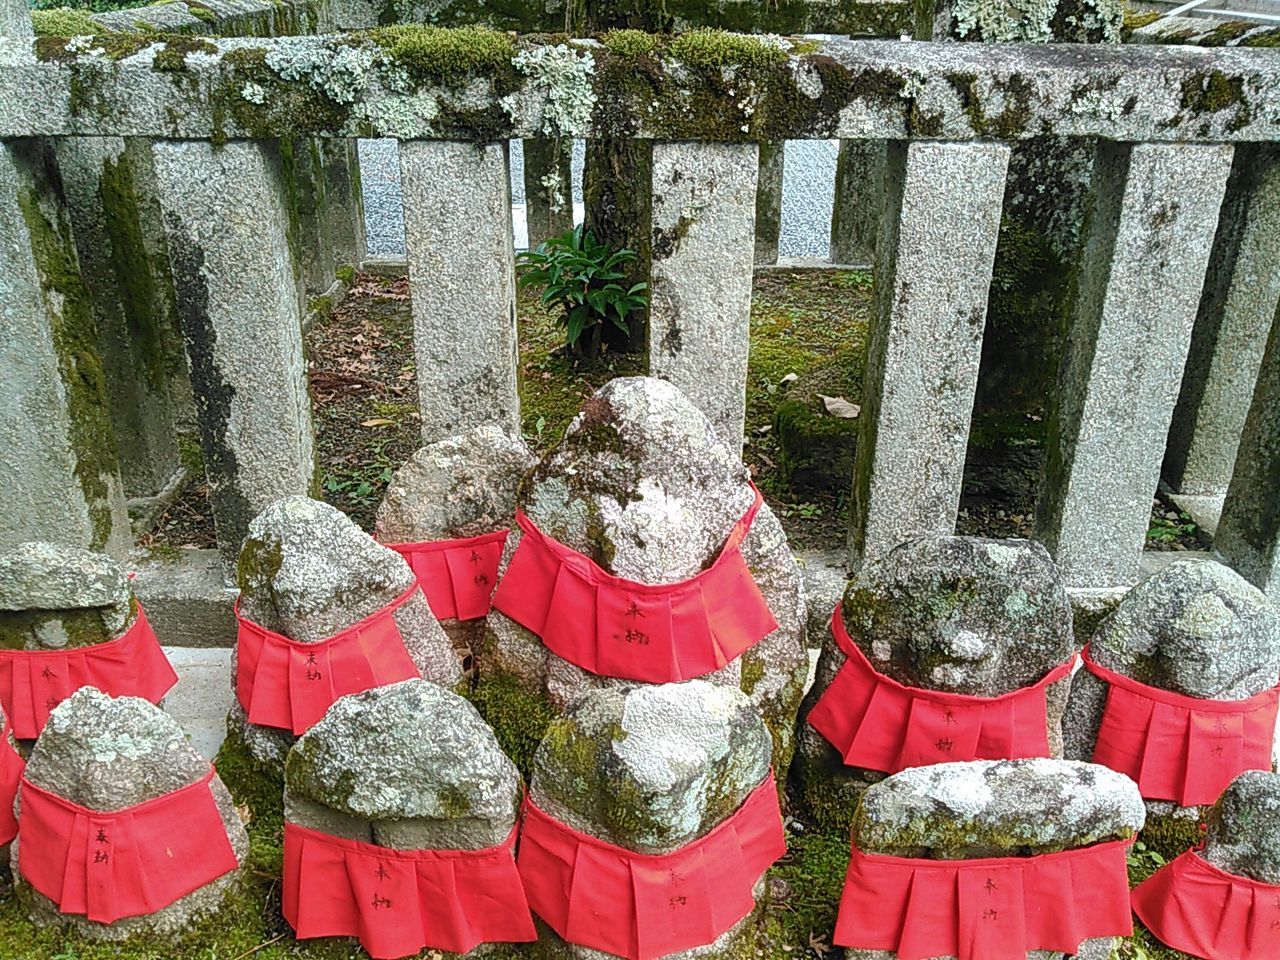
(619, 628)
(33, 682)
(127, 862)
(400, 901)
(878, 723)
(11, 767)
(286, 684)
(1181, 748)
(985, 909)
(601, 896)
(457, 576)
(1195, 907)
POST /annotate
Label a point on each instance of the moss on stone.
(1171, 835)
(631, 43)
(82, 628)
(201, 12)
(718, 48)
(752, 673)
(172, 57)
(446, 54)
(1136, 20)
(518, 714)
(345, 273)
(64, 22)
(74, 331)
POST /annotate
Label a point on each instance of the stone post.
(59, 480)
(344, 202)
(1155, 210)
(704, 197)
(1236, 308)
(457, 207)
(1248, 536)
(942, 219)
(769, 201)
(548, 188)
(15, 19)
(238, 298)
(305, 176)
(859, 201)
(101, 193)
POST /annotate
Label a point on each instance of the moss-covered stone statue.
(641, 489)
(951, 615)
(1201, 632)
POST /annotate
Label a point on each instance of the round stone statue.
(107, 754)
(998, 808)
(1243, 834)
(962, 615)
(308, 572)
(1197, 629)
(54, 597)
(650, 769)
(454, 489)
(642, 485)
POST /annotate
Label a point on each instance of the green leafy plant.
(581, 277)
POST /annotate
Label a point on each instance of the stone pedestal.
(769, 201)
(859, 201)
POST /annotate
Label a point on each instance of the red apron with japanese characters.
(1200, 909)
(11, 767)
(457, 576)
(1180, 748)
(33, 682)
(878, 723)
(985, 909)
(639, 906)
(400, 901)
(125, 863)
(286, 684)
(615, 627)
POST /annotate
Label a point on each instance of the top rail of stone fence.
(408, 85)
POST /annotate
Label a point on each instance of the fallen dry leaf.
(377, 422)
(840, 407)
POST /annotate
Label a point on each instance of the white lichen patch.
(807, 79)
(561, 81)
(254, 93)
(339, 72)
(1005, 21)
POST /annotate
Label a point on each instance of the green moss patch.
(444, 53)
(64, 22)
(518, 715)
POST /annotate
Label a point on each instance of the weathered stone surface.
(15, 19)
(308, 572)
(769, 201)
(955, 614)
(650, 769)
(1125, 352)
(993, 808)
(1068, 21)
(59, 480)
(102, 193)
(462, 284)
(871, 90)
(943, 217)
(859, 201)
(997, 808)
(53, 596)
(1237, 308)
(461, 486)
(1248, 535)
(409, 766)
(1244, 827)
(240, 301)
(1196, 628)
(642, 484)
(703, 255)
(105, 754)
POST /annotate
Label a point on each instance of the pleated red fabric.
(878, 723)
(1200, 909)
(11, 767)
(400, 901)
(1181, 748)
(985, 909)
(457, 576)
(599, 895)
(615, 627)
(33, 682)
(286, 684)
(125, 863)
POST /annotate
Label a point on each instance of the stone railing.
(1182, 135)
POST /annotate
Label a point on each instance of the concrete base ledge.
(186, 598)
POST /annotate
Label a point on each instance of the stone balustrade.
(221, 119)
